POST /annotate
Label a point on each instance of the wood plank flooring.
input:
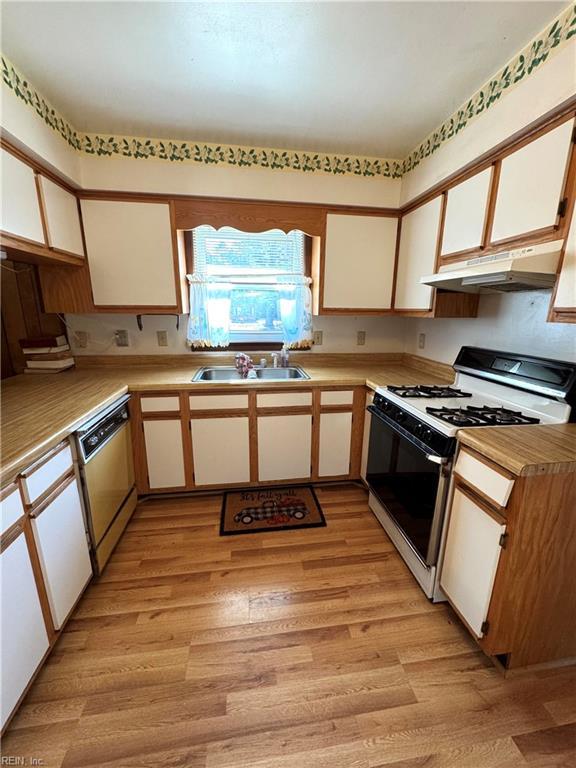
(298, 649)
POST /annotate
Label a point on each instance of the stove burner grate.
(421, 390)
(481, 416)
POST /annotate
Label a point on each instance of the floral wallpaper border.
(517, 69)
(520, 67)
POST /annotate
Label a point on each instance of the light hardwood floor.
(298, 649)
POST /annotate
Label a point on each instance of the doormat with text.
(270, 509)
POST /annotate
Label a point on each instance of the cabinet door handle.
(436, 459)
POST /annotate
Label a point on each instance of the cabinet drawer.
(490, 482)
(284, 399)
(155, 404)
(217, 402)
(337, 398)
(40, 476)
(11, 508)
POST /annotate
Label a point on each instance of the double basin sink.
(229, 373)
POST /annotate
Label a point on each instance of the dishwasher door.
(108, 480)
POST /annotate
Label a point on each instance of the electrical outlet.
(421, 340)
(317, 338)
(121, 338)
(361, 338)
(162, 337)
(81, 338)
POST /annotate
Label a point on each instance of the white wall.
(513, 322)
(339, 334)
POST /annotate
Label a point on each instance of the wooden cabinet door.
(335, 444)
(466, 207)
(221, 450)
(470, 559)
(60, 535)
(129, 249)
(531, 185)
(20, 203)
(359, 262)
(284, 447)
(62, 218)
(22, 628)
(164, 453)
(417, 256)
(565, 297)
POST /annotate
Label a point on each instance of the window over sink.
(249, 288)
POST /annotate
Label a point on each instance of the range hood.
(524, 269)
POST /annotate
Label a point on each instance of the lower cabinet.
(473, 547)
(221, 450)
(335, 444)
(23, 632)
(164, 453)
(62, 544)
(284, 447)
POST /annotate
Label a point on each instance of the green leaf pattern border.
(521, 66)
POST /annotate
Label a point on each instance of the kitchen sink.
(229, 373)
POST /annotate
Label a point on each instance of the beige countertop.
(526, 450)
(37, 411)
(40, 410)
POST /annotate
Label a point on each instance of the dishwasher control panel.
(98, 434)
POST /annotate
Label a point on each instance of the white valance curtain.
(210, 304)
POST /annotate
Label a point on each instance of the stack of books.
(47, 354)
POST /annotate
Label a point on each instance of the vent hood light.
(524, 269)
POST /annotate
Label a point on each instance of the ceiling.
(367, 78)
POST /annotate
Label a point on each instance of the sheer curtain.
(209, 321)
(296, 311)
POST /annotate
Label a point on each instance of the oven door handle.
(436, 459)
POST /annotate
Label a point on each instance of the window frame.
(257, 343)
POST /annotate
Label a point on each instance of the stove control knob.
(400, 416)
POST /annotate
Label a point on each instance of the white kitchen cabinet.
(470, 559)
(417, 256)
(130, 253)
(335, 444)
(466, 207)
(62, 218)
(284, 447)
(22, 628)
(20, 203)
(359, 262)
(531, 184)
(60, 535)
(221, 449)
(164, 453)
(565, 298)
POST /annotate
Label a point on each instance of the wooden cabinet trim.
(45, 458)
(51, 494)
(10, 535)
(481, 500)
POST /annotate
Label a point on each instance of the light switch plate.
(121, 338)
(317, 338)
(81, 339)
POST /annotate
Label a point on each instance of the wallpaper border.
(521, 66)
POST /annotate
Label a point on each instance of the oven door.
(409, 483)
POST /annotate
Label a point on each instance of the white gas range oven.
(413, 440)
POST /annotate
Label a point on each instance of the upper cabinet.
(417, 256)
(564, 302)
(21, 215)
(132, 255)
(466, 211)
(62, 217)
(358, 267)
(531, 184)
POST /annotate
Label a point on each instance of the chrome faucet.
(274, 359)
